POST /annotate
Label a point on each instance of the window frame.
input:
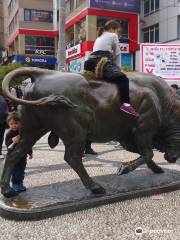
(40, 11)
(154, 30)
(31, 47)
(153, 6)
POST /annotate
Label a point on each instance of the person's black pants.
(111, 73)
(2, 131)
(18, 172)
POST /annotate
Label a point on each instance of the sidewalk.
(48, 176)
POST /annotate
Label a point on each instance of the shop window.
(151, 34)
(146, 7)
(11, 6)
(150, 6)
(81, 31)
(69, 6)
(13, 25)
(39, 45)
(38, 15)
(124, 33)
(79, 2)
(70, 37)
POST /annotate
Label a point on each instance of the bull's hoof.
(155, 168)
(8, 192)
(158, 170)
(98, 190)
(123, 169)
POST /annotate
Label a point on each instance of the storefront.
(82, 30)
(34, 48)
(75, 58)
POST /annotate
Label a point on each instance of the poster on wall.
(161, 59)
(126, 5)
(76, 65)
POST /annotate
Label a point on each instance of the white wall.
(166, 17)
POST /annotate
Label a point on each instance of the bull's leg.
(12, 159)
(144, 143)
(73, 156)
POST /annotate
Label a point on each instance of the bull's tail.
(33, 72)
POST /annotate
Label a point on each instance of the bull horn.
(31, 72)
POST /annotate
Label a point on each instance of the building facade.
(32, 28)
(31, 37)
(83, 20)
(160, 21)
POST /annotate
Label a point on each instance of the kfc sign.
(40, 52)
(124, 47)
(73, 51)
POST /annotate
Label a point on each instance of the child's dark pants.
(19, 171)
(111, 73)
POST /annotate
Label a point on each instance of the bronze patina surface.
(76, 109)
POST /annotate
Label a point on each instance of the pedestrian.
(107, 46)
(3, 118)
(174, 87)
(13, 104)
(11, 140)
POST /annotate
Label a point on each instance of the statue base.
(40, 202)
(53, 188)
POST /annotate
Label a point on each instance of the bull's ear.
(53, 140)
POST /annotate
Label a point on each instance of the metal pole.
(61, 54)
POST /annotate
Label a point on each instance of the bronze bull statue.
(75, 109)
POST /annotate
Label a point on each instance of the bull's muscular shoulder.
(149, 94)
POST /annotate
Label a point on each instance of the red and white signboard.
(161, 59)
(73, 51)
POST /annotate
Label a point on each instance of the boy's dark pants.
(19, 171)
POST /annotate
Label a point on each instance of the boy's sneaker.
(129, 109)
(18, 187)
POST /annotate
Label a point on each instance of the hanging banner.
(161, 59)
(117, 5)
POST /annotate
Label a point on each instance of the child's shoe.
(18, 187)
(129, 109)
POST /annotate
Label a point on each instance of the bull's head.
(172, 145)
(171, 155)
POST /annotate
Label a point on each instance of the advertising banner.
(161, 59)
(35, 60)
(117, 5)
(76, 65)
(73, 51)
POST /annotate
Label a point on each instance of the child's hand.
(16, 139)
(30, 156)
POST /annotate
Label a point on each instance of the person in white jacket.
(107, 45)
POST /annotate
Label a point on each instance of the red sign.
(73, 51)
